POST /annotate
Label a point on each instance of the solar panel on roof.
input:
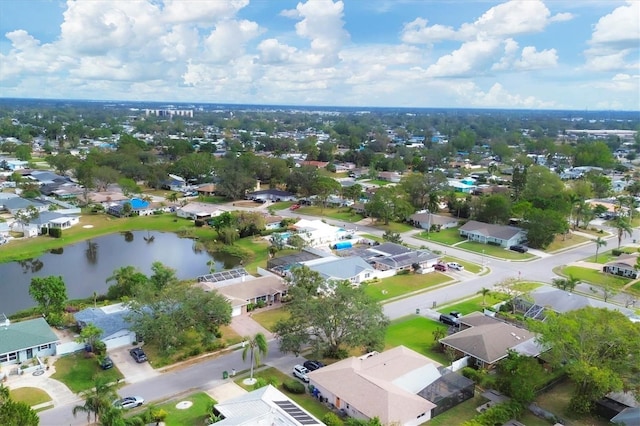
(223, 275)
(295, 412)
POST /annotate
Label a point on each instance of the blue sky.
(535, 54)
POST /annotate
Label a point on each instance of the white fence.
(459, 364)
(69, 348)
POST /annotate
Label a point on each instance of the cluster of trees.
(162, 307)
(15, 413)
(331, 316)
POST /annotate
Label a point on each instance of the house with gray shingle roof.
(392, 256)
(24, 340)
(546, 298)
(112, 321)
(487, 340)
(353, 269)
(488, 233)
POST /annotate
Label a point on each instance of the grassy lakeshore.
(96, 225)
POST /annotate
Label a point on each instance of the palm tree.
(624, 227)
(573, 200)
(98, 400)
(599, 242)
(173, 197)
(484, 292)
(255, 347)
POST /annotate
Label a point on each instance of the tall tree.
(334, 317)
(162, 316)
(256, 347)
(50, 293)
(567, 284)
(98, 400)
(15, 413)
(388, 205)
(599, 242)
(126, 280)
(600, 349)
(419, 187)
(623, 226)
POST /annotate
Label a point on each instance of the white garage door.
(236, 311)
(120, 340)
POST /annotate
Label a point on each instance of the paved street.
(206, 375)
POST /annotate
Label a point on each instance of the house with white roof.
(196, 210)
(264, 406)
(317, 232)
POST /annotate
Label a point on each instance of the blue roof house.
(112, 321)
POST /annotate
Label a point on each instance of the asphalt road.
(202, 376)
(208, 374)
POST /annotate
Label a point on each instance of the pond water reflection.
(85, 266)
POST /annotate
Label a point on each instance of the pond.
(86, 266)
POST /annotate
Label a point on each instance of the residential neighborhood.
(413, 285)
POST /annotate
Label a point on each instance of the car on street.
(128, 402)
(294, 207)
(440, 267)
(138, 354)
(312, 365)
(519, 248)
(301, 372)
(106, 363)
(456, 266)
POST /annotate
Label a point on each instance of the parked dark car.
(449, 320)
(519, 248)
(440, 267)
(106, 363)
(138, 354)
(313, 365)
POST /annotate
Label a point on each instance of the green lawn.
(607, 256)
(415, 332)
(460, 413)
(474, 268)
(448, 236)
(379, 182)
(596, 277)
(268, 319)
(560, 242)
(102, 224)
(399, 285)
(194, 415)
(78, 372)
(475, 303)
(343, 214)
(393, 227)
(557, 401)
(494, 251)
(30, 396)
(276, 378)
(255, 250)
(281, 205)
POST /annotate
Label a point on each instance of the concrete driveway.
(131, 370)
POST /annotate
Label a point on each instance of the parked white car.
(456, 266)
(301, 373)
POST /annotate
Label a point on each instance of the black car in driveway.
(519, 248)
(138, 354)
(312, 365)
(106, 363)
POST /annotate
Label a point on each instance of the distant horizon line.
(353, 108)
